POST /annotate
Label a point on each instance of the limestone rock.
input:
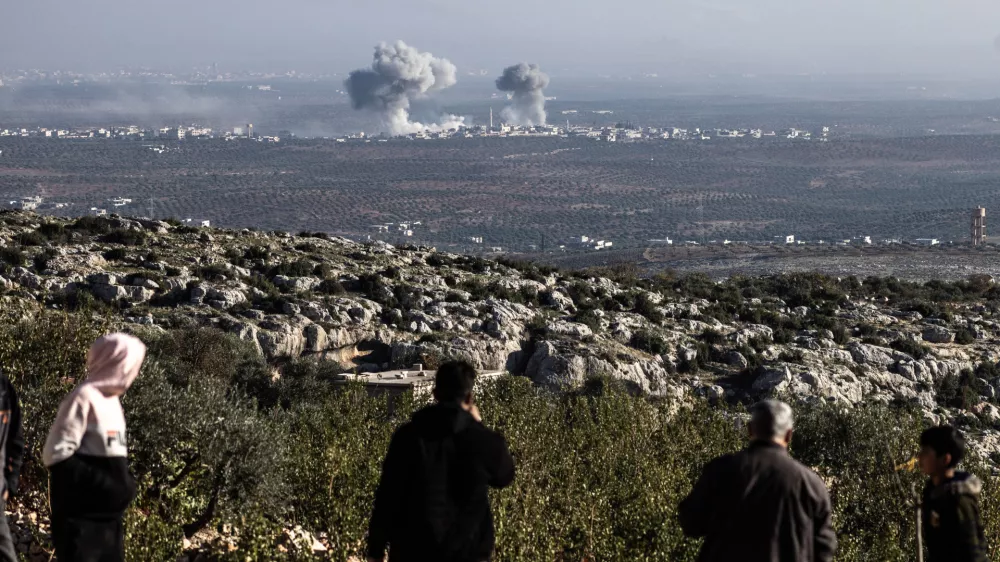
(937, 334)
(736, 359)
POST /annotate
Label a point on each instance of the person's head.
(454, 382)
(771, 420)
(113, 363)
(941, 448)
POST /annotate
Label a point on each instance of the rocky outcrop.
(937, 334)
(376, 304)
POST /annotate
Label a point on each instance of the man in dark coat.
(760, 505)
(11, 455)
(432, 502)
(952, 526)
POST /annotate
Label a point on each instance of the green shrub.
(590, 318)
(30, 238)
(300, 268)
(125, 237)
(41, 260)
(910, 347)
(964, 337)
(257, 253)
(210, 271)
(116, 254)
(13, 255)
(92, 225)
(331, 287)
(645, 306)
(840, 335)
(217, 440)
(53, 232)
(649, 341)
(712, 337)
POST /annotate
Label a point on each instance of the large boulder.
(225, 298)
(316, 338)
(102, 279)
(570, 329)
(558, 299)
(550, 369)
(752, 332)
(296, 284)
(506, 319)
(938, 334)
(865, 354)
(736, 359)
(25, 278)
(836, 382)
(108, 293)
(285, 338)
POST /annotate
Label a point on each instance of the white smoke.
(525, 83)
(400, 73)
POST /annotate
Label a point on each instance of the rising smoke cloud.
(525, 82)
(399, 74)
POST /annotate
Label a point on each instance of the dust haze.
(581, 37)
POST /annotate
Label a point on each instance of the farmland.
(517, 192)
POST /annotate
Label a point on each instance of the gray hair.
(770, 419)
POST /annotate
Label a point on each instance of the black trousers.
(80, 539)
(7, 550)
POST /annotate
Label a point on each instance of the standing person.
(432, 502)
(952, 526)
(760, 504)
(11, 455)
(90, 486)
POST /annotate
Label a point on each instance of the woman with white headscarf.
(90, 485)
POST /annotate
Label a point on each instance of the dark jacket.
(953, 529)
(432, 501)
(91, 487)
(11, 436)
(759, 505)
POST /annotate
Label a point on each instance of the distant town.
(621, 132)
(135, 132)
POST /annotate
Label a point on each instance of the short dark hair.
(944, 440)
(454, 381)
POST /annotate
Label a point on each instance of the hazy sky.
(569, 36)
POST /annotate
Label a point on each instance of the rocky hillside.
(373, 306)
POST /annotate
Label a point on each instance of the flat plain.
(518, 192)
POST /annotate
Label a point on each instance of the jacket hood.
(442, 419)
(963, 484)
(113, 362)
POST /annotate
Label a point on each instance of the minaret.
(979, 226)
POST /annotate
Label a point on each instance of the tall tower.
(250, 130)
(979, 226)
(491, 117)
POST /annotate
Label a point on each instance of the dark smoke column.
(400, 73)
(525, 82)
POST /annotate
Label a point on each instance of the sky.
(578, 37)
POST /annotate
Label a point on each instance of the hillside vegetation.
(622, 388)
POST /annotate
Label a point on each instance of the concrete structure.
(979, 226)
(393, 383)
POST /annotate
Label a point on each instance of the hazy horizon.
(680, 38)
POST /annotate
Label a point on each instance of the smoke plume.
(525, 82)
(398, 75)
